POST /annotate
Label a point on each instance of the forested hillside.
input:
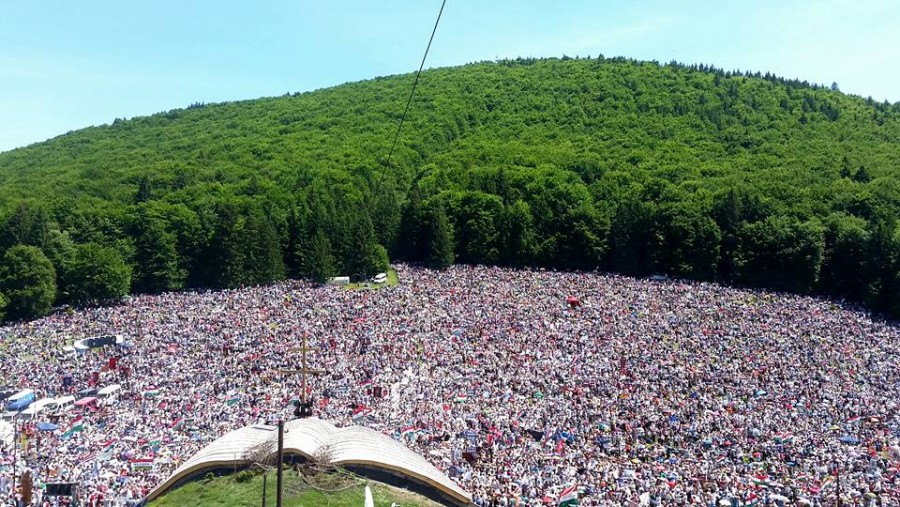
(626, 166)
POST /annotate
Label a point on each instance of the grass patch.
(392, 279)
(244, 489)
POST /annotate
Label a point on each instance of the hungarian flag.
(461, 398)
(751, 499)
(568, 496)
(360, 413)
(761, 481)
(76, 426)
(784, 438)
(149, 393)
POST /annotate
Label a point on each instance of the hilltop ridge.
(622, 165)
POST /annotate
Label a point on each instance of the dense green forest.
(612, 164)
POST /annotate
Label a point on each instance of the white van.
(109, 393)
(61, 404)
(380, 278)
(36, 408)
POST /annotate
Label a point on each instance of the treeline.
(610, 164)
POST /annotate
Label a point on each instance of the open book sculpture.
(357, 448)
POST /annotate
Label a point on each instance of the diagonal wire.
(415, 83)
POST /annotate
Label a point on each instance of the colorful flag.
(76, 426)
(568, 497)
(751, 499)
(560, 445)
(761, 482)
(784, 438)
(360, 413)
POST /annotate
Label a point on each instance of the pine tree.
(263, 260)
(440, 239)
(318, 259)
(156, 267)
(411, 227)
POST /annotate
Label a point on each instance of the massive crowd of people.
(635, 393)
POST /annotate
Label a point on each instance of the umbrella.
(46, 426)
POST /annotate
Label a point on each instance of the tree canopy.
(614, 164)
(28, 281)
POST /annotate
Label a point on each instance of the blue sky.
(69, 64)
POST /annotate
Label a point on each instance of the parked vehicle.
(21, 400)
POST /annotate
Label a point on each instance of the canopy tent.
(46, 426)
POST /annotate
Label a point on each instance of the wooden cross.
(303, 371)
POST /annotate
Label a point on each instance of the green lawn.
(392, 279)
(242, 490)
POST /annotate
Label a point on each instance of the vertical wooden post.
(264, 491)
(840, 501)
(279, 464)
(303, 369)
